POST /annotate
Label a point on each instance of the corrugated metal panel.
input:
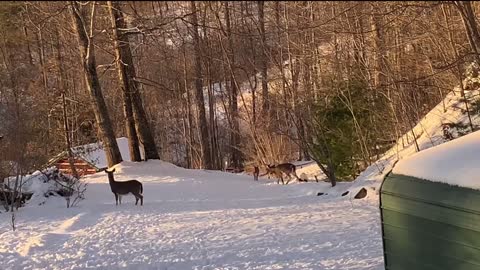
(82, 167)
(429, 225)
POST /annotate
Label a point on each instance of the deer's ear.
(113, 170)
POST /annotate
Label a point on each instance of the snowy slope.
(429, 133)
(195, 219)
(455, 162)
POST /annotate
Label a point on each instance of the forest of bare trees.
(229, 83)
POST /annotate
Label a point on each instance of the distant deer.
(285, 168)
(125, 187)
(256, 172)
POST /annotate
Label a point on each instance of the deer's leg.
(298, 178)
(136, 198)
(120, 198)
(288, 179)
(116, 198)
(141, 198)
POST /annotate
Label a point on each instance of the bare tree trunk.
(25, 34)
(144, 131)
(207, 161)
(470, 24)
(378, 50)
(234, 133)
(263, 59)
(68, 144)
(454, 49)
(188, 105)
(211, 97)
(87, 53)
(211, 113)
(41, 56)
(133, 145)
(63, 87)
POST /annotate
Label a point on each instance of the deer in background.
(256, 173)
(125, 187)
(285, 168)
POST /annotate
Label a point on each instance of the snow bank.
(42, 186)
(455, 163)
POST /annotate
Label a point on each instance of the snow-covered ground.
(195, 219)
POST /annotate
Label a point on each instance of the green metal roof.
(429, 225)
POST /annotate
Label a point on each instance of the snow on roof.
(95, 154)
(456, 162)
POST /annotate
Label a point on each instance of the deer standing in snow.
(256, 173)
(285, 168)
(125, 187)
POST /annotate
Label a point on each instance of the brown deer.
(256, 173)
(125, 187)
(285, 168)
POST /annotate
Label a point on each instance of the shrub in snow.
(65, 185)
(51, 182)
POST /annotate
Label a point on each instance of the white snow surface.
(455, 162)
(196, 219)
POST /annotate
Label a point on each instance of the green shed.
(430, 208)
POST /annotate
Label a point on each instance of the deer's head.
(270, 167)
(270, 170)
(110, 173)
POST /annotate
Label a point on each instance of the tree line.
(215, 84)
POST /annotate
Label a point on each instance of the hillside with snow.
(446, 121)
(195, 219)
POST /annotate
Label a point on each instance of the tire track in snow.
(39, 240)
